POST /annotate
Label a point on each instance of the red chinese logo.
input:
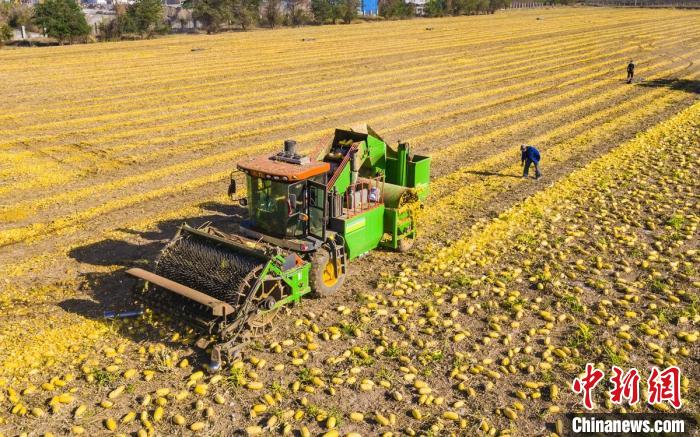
(625, 386)
(665, 386)
(587, 384)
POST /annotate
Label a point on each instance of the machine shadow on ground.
(689, 86)
(111, 291)
(491, 173)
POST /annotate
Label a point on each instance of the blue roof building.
(369, 7)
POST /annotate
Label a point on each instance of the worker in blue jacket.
(529, 155)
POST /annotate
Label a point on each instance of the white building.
(418, 6)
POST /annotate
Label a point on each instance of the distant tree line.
(143, 18)
(64, 20)
(396, 9)
(218, 15)
(439, 8)
(558, 2)
(13, 17)
(334, 11)
(5, 29)
(59, 19)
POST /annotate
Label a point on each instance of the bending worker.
(529, 155)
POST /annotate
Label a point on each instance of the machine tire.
(320, 283)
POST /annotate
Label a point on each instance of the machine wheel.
(265, 299)
(325, 278)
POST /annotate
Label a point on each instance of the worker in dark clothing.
(528, 156)
(630, 71)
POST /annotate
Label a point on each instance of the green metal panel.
(343, 181)
(401, 159)
(377, 154)
(363, 232)
(398, 224)
(419, 175)
(392, 166)
(390, 216)
(392, 170)
(296, 279)
(397, 165)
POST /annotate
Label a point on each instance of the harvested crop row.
(462, 101)
(563, 147)
(490, 190)
(59, 224)
(426, 348)
(218, 92)
(203, 105)
(303, 59)
(64, 172)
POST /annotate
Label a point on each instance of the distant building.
(418, 6)
(369, 7)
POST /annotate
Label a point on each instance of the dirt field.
(512, 287)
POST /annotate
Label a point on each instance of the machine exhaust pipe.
(290, 148)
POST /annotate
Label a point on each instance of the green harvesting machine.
(308, 216)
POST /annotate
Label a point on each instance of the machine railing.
(341, 166)
(364, 194)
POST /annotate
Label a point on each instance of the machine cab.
(285, 194)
